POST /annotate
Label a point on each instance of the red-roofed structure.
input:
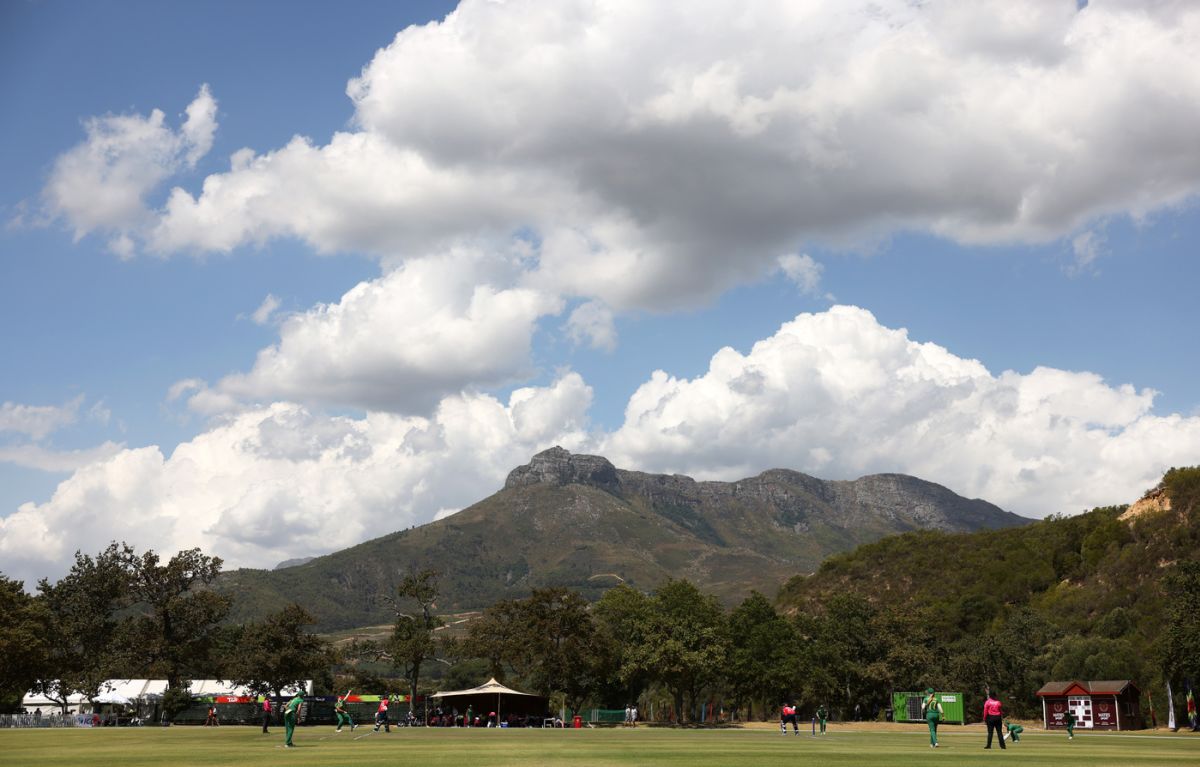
(1113, 704)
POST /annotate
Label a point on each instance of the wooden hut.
(1103, 705)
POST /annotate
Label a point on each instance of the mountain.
(578, 521)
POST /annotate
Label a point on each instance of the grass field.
(893, 746)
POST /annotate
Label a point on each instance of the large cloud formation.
(663, 151)
(838, 395)
(283, 481)
(834, 394)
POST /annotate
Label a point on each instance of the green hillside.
(1088, 597)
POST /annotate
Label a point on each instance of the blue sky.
(955, 245)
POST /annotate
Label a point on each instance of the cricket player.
(1070, 724)
(343, 716)
(787, 714)
(822, 716)
(291, 714)
(932, 708)
(1014, 731)
(381, 715)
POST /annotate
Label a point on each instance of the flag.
(1153, 718)
(1170, 709)
(1191, 704)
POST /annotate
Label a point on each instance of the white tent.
(130, 691)
(33, 700)
(491, 692)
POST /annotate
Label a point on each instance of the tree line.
(121, 614)
(1095, 596)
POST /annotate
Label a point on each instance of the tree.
(840, 645)
(560, 648)
(278, 653)
(763, 660)
(622, 617)
(685, 642)
(492, 637)
(1179, 644)
(23, 643)
(83, 609)
(175, 617)
(413, 642)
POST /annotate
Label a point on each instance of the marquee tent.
(493, 696)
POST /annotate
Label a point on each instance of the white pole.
(1117, 706)
(1045, 715)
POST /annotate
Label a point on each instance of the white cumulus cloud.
(838, 395)
(834, 394)
(660, 152)
(102, 183)
(284, 481)
(428, 328)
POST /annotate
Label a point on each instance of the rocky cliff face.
(557, 466)
(908, 502)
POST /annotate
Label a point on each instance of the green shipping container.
(906, 707)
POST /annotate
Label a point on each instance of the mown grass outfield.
(891, 746)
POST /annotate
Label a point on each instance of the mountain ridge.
(578, 521)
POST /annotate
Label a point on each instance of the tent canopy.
(491, 687)
(492, 696)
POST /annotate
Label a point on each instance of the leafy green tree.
(83, 610)
(23, 641)
(560, 649)
(1008, 662)
(1179, 644)
(175, 617)
(685, 643)
(764, 660)
(279, 652)
(413, 641)
(495, 637)
(622, 616)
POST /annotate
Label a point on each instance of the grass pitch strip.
(893, 747)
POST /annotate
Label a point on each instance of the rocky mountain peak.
(557, 466)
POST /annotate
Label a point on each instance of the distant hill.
(1081, 597)
(578, 521)
(285, 564)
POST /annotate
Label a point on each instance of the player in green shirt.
(1070, 724)
(1014, 731)
(932, 709)
(343, 716)
(822, 715)
(291, 712)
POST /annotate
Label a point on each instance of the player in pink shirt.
(788, 714)
(993, 717)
